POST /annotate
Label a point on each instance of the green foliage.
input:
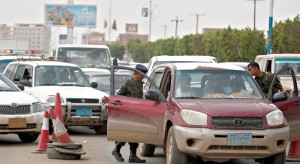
(226, 45)
(117, 50)
(285, 36)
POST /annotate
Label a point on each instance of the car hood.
(7, 98)
(233, 108)
(41, 92)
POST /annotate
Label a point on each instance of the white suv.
(20, 113)
(158, 60)
(81, 103)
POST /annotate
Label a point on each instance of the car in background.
(20, 113)
(158, 60)
(81, 103)
(244, 65)
(5, 59)
(103, 79)
(275, 62)
(224, 116)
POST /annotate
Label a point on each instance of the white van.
(157, 60)
(85, 56)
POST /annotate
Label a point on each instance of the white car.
(20, 113)
(81, 103)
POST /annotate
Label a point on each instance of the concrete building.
(38, 35)
(213, 30)
(131, 33)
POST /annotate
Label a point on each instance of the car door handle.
(117, 103)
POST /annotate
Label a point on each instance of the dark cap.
(141, 68)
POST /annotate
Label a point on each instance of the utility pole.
(254, 20)
(197, 17)
(270, 26)
(165, 31)
(150, 20)
(109, 24)
(176, 25)
(70, 30)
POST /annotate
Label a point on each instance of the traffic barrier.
(59, 129)
(44, 136)
(294, 151)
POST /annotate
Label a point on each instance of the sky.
(215, 14)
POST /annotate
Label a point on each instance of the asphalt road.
(98, 151)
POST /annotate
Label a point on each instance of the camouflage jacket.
(131, 88)
(265, 81)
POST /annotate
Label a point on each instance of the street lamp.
(254, 12)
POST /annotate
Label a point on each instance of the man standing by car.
(132, 88)
(264, 79)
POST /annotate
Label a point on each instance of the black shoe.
(135, 159)
(118, 156)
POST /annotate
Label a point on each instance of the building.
(95, 38)
(38, 35)
(213, 30)
(131, 33)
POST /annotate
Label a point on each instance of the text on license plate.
(84, 112)
(17, 123)
(239, 139)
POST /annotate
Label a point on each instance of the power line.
(176, 25)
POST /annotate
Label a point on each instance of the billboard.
(71, 15)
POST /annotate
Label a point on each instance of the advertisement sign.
(71, 15)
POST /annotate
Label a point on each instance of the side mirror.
(21, 87)
(94, 85)
(152, 95)
(115, 62)
(280, 96)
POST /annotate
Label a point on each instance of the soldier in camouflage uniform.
(264, 79)
(131, 88)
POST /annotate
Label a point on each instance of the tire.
(101, 129)
(147, 150)
(275, 159)
(54, 154)
(28, 137)
(173, 155)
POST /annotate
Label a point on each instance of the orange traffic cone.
(44, 137)
(58, 111)
(58, 108)
(294, 151)
(59, 129)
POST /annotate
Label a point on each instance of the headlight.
(51, 99)
(37, 107)
(275, 118)
(193, 117)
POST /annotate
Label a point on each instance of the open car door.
(136, 119)
(290, 107)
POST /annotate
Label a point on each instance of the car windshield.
(220, 84)
(6, 85)
(59, 76)
(104, 81)
(284, 63)
(85, 57)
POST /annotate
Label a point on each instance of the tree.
(117, 50)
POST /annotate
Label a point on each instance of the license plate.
(17, 123)
(239, 139)
(84, 112)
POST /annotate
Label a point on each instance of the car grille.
(8, 110)
(83, 100)
(242, 148)
(237, 122)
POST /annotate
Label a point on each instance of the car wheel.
(146, 150)
(28, 137)
(173, 155)
(101, 129)
(54, 154)
(275, 159)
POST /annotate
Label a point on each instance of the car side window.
(19, 73)
(9, 71)
(157, 79)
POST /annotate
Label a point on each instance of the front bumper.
(99, 114)
(212, 144)
(25, 123)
